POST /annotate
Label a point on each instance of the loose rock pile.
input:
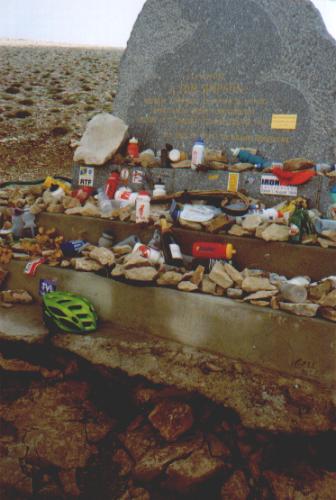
(298, 296)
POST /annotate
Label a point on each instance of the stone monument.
(239, 73)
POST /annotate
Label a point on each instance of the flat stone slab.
(262, 398)
(257, 73)
(22, 324)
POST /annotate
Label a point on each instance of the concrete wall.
(301, 347)
(316, 190)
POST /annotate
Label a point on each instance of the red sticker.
(32, 266)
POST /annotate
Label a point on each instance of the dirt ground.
(47, 95)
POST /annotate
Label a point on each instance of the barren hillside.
(47, 94)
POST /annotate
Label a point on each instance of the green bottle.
(300, 224)
(296, 225)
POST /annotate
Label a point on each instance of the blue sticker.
(47, 286)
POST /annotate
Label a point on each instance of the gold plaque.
(284, 122)
(213, 177)
(233, 182)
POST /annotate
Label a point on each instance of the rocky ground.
(47, 95)
(73, 430)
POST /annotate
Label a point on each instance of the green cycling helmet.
(69, 313)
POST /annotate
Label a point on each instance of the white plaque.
(86, 176)
(270, 184)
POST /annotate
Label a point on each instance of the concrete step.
(283, 258)
(263, 398)
(275, 340)
(22, 324)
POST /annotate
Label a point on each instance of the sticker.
(284, 122)
(31, 267)
(86, 176)
(124, 174)
(251, 179)
(233, 182)
(47, 286)
(270, 184)
(213, 177)
(137, 177)
(175, 251)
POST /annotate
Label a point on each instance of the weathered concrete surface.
(282, 258)
(262, 398)
(22, 324)
(301, 347)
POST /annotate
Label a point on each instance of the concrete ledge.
(271, 339)
(22, 324)
(262, 398)
(282, 258)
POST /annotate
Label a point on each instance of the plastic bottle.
(106, 240)
(267, 213)
(246, 157)
(82, 193)
(142, 207)
(129, 241)
(29, 222)
(125, 196)
(153, 255)
(56, 192)
(193, 213)
(112, 184)
(133, 148)
(73, 247)
(212, 250)
(323, 168)
(104, 203)
(324, 225)
(198, 153)
(174, 155)
(17, 223)
(155, 242)
(159, 190)
(333, 194)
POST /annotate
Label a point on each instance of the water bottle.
(324, 225)
(247, 157)
(112, 184)
(17, 223)
(28, 220)
(198, 153)
(104, 202)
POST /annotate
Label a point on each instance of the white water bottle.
(198, 154)
(142, 207)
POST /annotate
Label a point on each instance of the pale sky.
(90, 22)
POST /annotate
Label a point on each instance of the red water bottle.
(213, 250)
(133, 148)
(112, 184)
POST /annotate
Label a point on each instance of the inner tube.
(32, 183)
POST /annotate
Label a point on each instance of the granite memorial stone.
(239, 73)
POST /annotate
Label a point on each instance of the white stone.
(306, 309)
(103, 136)
(251, 285)
(219, 276)
(276, 232)
(103, 255)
